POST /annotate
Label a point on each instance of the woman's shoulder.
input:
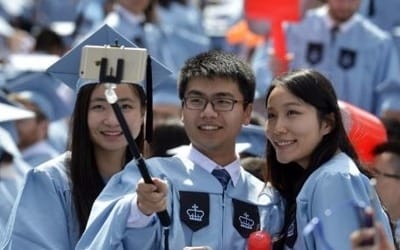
(340, 168)
(54, 170)
(339, 163)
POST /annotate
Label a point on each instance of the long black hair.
(315, 89)
(86, 181)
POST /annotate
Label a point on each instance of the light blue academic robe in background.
(385, 13)
(45, 12)
(44, 216)
(107, 226)
(371, 81)
(11, 178)
(186, 16)
(171, 45)
(10, 183)
(260, 63)
(333, 186)
(58, 135)
(39, 153)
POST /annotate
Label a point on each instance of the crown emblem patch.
(246, 222)
(194, 213)
(246, 218)
(194, 209)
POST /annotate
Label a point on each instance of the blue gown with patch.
(202, 214)
(361, 62)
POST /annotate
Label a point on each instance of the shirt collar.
(207, 164)
(329, 22)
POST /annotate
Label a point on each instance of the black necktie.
(371, 8)
(334, 31)
(223, 176)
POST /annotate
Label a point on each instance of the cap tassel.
(149, 94)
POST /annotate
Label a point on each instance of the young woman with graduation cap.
(54, 205)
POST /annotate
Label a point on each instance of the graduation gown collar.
(330, 23)
(209, 165)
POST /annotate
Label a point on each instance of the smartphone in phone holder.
(113, 64)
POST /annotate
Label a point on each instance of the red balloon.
(364, 130)
(275, 11)
(259, 240)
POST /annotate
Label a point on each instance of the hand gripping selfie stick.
(112, 98)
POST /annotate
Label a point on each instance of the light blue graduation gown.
(107, 223)
(171, 45)
(39, 153)
(371, 81)
(11, 178)
(10, 184)
(186, 16)
(333, 186)
(44, 216)
(92, 15)
(260, 62)
(385, 13)
(45, 12)
(58, 135)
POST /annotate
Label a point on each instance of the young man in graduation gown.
(217, 92)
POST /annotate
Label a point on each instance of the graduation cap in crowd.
(7, 144)
(32, 62)
(44, 91)
(254, 135)
(13, 113)
(77, 68)
(9, 112)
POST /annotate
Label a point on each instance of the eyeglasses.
(376, 172)
(218, 104)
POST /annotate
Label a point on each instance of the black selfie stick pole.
(112, 98)
(164, 217)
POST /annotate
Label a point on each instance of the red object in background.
(364, 129)
(241, 34)
(259, 240)
(276, 11)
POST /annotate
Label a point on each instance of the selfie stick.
(112, 99)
